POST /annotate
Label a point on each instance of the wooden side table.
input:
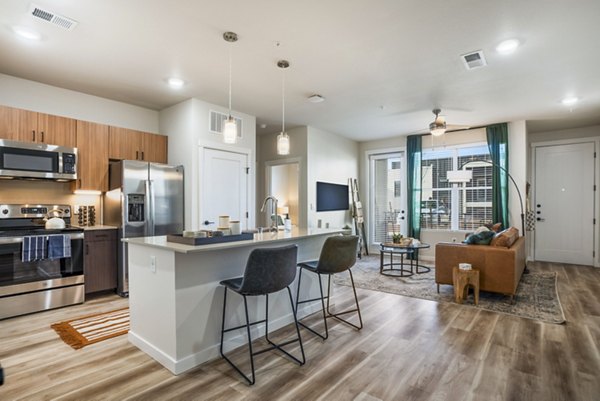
(462, 280)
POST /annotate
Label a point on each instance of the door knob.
(540, 219)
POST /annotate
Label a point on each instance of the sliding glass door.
(387, 203)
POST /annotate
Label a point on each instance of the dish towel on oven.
(34, 248)
(59, 246)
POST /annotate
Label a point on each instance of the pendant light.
(283, 140)
(230, 128)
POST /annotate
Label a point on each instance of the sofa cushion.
(482, 238)
(505, 238)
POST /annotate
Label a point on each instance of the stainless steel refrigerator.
(145, 199)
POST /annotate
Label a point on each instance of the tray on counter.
(179, 238)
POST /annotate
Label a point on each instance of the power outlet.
(153, 264)
(75, 209)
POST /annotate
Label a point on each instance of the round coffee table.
(387, 269)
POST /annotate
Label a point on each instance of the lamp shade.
(283, 144)
(459, 175)
(230, 131)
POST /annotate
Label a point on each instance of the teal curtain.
(413, 146)
(497, 139)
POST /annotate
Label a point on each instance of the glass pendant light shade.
(283, 140)
(283, 144)
(230, 131)
(230, 127)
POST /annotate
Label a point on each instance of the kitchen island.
(176, 301)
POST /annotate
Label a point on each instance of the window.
(463, 206)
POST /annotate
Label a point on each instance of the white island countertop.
(264, 238)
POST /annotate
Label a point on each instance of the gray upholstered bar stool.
(268, 270)
(337, 255)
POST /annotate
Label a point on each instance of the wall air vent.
(53, 18)
(474, 60)
(216, 122)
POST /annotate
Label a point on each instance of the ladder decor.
(358, 217)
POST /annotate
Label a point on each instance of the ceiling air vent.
(53, 18)
(474, 60)
(217, 121)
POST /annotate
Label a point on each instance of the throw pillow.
(481, 229)
(506, 238)
(495, 227)
(483, 238)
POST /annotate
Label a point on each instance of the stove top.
(24, 231)
(30, 219)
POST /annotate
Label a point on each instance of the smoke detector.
(53, 18)
(474, 60)
(316, 98)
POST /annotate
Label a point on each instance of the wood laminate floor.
(409, 349)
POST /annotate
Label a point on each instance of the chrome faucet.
(273, 216)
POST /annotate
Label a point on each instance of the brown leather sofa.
(500, 268)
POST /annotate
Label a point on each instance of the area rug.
(91, 329)
(536, 298)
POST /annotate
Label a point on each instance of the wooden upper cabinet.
(9, 123)
(155, 148)
(30, 126)
(128, 144)
(56, 130)
(125, 144)
(92, 156)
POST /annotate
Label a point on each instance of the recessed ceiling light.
(26, 33)
(175, 83)
(507, 46)
(569, 101)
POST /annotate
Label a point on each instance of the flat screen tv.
(332, 197)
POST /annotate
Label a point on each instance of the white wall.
(35, 96)
(334, 159)
(517, 165)
(187, 125)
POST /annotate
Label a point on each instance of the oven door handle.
(19, 240)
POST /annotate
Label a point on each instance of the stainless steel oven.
(37, 160)
(44, 283)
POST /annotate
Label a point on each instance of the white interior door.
(224, 188)
(564, 203)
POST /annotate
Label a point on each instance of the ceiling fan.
(439, 127)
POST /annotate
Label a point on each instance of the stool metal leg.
(273, 346)
(322, 299)
(326, 312)
(247, 325)
(337, 315)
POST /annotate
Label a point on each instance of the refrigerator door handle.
(151, 202)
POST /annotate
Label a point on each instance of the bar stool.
(337, 255)
(268, 270)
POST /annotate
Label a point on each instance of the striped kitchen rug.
(91, 329)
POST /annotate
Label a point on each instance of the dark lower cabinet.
(100, 260)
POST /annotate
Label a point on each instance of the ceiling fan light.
(283, 144)
(439, 131)
(230, 131)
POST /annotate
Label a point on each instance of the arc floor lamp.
(460, 175)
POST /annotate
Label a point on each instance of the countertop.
(264, 238)
(97, 227)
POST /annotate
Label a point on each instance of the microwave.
(23, 160)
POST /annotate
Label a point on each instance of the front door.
(224, 188)
(564, 203)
